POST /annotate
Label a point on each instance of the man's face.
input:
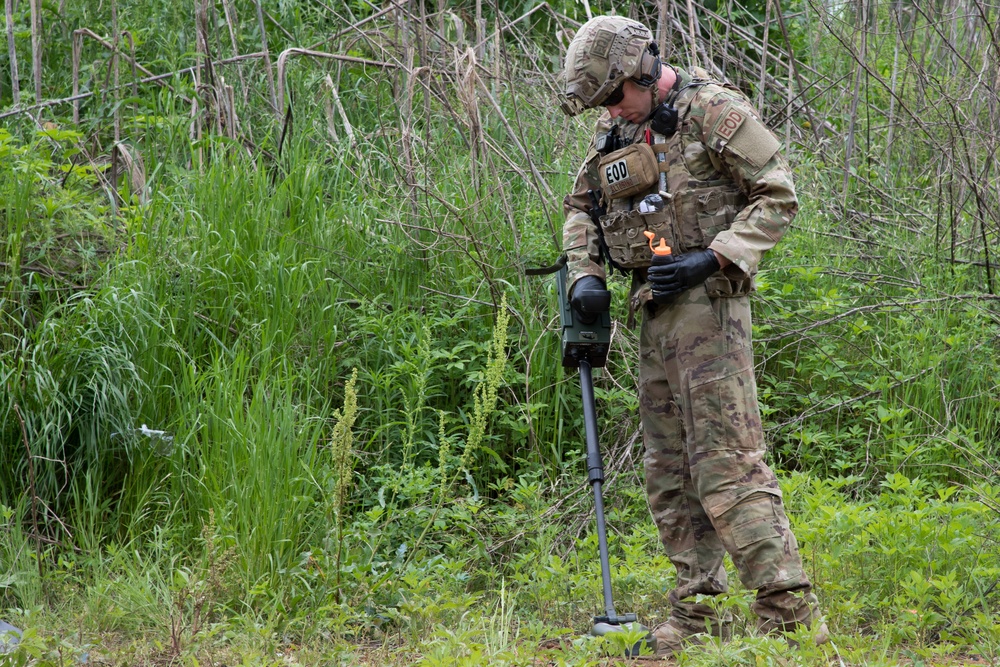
(635, 105)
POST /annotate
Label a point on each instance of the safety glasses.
(616, 96)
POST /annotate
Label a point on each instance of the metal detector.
(585, 346)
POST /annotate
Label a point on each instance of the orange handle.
(662, 249)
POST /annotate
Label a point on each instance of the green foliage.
(919, 551)
(171, 465)
(863, 373)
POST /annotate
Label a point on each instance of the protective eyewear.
(616, 96)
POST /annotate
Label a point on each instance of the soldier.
(682, 164)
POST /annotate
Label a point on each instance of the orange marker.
(661, 250)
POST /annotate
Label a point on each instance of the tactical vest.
(693, 211)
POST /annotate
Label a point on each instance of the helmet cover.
(606, 51)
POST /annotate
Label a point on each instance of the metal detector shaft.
(595, 473)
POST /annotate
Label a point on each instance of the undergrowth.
(292, 401)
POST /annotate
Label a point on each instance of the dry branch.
(15, 87)
(36, 46)
(267, 62)
(335, 96)
(78, 36)
(288, 53)
(160, 78)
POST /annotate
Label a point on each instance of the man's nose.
(615, 111)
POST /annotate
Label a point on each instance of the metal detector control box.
(580, 340)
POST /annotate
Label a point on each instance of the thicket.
(269, 353)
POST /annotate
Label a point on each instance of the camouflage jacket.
(720, 140)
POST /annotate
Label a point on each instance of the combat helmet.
(606, 51)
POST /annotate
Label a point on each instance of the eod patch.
(729, 123)
(628, 171)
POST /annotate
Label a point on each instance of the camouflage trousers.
(710, 490)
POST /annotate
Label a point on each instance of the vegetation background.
(276, 389)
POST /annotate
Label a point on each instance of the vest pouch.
(629, 171)
(703, 212)
(625, 235)
(627, 245)
(660, 223)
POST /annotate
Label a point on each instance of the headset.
(650, 66)
(663, 119)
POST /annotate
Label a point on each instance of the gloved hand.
(590, 298)
(682, 273)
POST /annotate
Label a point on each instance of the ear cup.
(649, 67)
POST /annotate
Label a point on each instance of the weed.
(197, 591)
(343, 464)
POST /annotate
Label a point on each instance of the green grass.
(229, 303)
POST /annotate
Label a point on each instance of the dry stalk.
(661, 26)
(267, 63)
(77, 51)
(135, 74)
(210, 95)
(406, 125)
(114, 65)
(15, 87)
(480, 32)
(348, 128)
(202, 42)
(538, 180)
(331, 126)
(288, 53)
(855, 99)
(692, 20)
(794, 70)
(36, 46)
(459, 24)
(229, 104)
(134, 166)
(466, 91)
(204, 75)
(197, 130)
(232, 23)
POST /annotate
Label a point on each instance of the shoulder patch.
(710, 106)
(753, 142)
(731, 121)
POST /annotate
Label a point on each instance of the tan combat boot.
(788, 612)
(820, 634)
(671, 638)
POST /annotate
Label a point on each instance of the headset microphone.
(664, 118)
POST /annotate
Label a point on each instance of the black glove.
(682, 273)
(590, 298)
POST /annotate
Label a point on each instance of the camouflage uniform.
(710, 490)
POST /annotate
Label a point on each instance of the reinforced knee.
(756, 534)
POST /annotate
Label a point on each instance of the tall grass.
(184, 357)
